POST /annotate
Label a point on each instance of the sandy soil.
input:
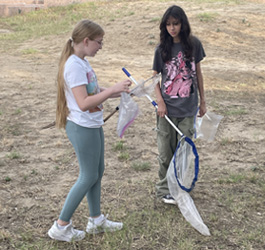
(41, 163)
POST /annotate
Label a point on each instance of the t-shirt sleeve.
(157, 63)
(199, 51)
(75, 75)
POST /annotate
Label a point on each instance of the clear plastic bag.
(128, 111)
(206, 126)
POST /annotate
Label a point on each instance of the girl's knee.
(88, 180)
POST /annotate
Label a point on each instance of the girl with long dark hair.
(177, 58)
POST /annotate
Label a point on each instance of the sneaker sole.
(103, 230)
(171, 202)
(66, 240)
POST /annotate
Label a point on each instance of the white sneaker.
(104, 226)
(66, 234)
(168, 199)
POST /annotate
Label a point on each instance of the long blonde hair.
(85, 28)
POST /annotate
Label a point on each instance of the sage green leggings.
(88, 144)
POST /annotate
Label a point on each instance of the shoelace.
(75, 232)
(104, 220)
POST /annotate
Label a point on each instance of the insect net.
(181, 176)
(186, 164)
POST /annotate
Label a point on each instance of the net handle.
(152, 101)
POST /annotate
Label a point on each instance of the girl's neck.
(176, 40)
(81, 56)
(78, 51)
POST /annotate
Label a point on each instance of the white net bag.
(181, 176)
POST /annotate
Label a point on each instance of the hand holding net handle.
(152, 101)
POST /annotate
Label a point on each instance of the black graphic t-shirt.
(179, 80)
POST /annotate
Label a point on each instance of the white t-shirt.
(78, 72)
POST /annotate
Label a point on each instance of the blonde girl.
(80, 112)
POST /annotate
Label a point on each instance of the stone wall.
(14, 7)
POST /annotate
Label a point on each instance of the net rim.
(196, 164)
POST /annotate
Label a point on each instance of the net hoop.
(196, 165)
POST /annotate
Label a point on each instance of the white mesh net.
(146, 87)
(181, 176)
(184, 164)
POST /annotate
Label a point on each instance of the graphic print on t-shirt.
(92, 89)
(180, 73)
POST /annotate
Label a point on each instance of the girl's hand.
(122, 87)
(162, 109)
(203, 109)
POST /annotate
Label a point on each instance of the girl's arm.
(86, 102)
(201, 90)
(162, 109)
(112, 96)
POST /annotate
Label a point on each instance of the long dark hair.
(166, 41)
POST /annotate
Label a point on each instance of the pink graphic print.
(92, 83)
(180, 73)
(92, 89)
